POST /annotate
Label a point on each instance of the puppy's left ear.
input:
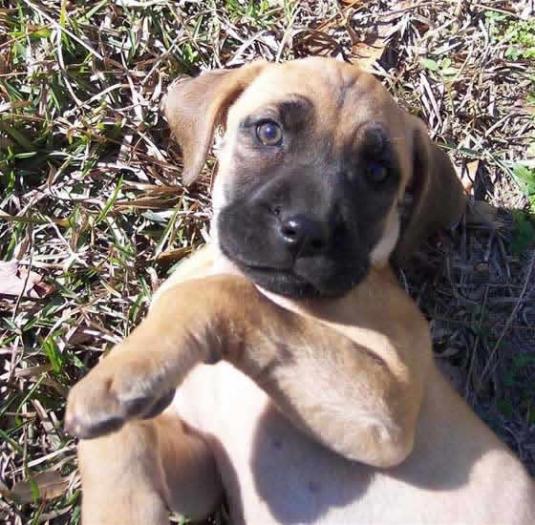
(194, 106)
(438, 198)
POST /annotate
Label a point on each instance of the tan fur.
(376, 374)
(353, 377)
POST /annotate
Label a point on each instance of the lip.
(291, 284)
(253, 267)
(270, 272)
(279, 280)
(284, 280)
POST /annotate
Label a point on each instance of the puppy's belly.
(275, 474)
(272, 473)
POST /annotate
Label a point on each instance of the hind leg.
(136, 474)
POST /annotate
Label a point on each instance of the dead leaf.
(368, 46)
(366, 51)
(481, 213)
(80, 335)
(468, 175)
(33, 371)
(172, 256)
(15, 280)
(43, 486)
(156, 201)
(315, 42)
(351, 3)
(4, 491)
(365, 55)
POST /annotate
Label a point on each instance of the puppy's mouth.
(288, 282)
(280, 281)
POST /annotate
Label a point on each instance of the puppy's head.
(314, 171)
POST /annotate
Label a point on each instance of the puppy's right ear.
(195, 106)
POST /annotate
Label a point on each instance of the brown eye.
(376, 172)
(269, 133)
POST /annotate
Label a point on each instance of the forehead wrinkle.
(364, 102)
(283, 84)
(275, 86)
(342, 97)
(285, 104)
(344, 87)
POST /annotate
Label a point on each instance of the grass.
(91, 199)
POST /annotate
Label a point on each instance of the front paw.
(123, 386)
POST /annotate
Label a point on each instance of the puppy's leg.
(350, 398)
(136, 474)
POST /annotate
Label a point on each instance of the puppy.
(307, 392)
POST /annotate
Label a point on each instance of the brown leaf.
(80, 335)
(172, 256)
(44, 486)
(469, 176)
(369, 48)
(33, 371)
(365, 55)
(15, 280)
(481, 213)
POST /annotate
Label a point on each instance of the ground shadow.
(477, 287)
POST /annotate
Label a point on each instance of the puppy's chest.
(271, 471)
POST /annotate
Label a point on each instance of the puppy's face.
(312, 169)
(315, 162)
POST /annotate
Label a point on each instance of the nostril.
(276, 210)
(290, 230)
(304, 234)
(317, 244)
(339, 231)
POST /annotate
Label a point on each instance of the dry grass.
(91, 198)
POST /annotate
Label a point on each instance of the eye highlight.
(376, 171)
(269, 133)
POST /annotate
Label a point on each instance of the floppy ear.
(438, 198)
(194, 106)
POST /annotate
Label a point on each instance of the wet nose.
(303, 235)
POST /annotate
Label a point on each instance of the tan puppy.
(309, 203)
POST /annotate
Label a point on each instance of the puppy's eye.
(269, 133)
(376, 172)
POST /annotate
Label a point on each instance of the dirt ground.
(93, 214)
